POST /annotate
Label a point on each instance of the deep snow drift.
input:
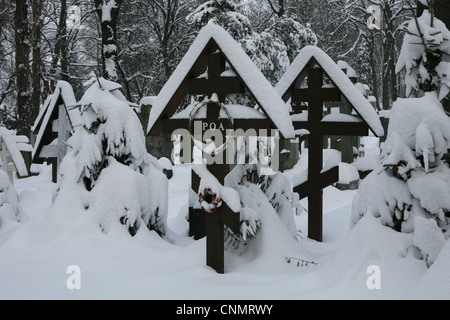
(36, 255)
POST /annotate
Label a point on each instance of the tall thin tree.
(108, 13)
(22, 65)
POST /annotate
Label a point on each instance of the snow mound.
(369, 243)
(435, 283)
(10, 209)
(273, 243)
(132, 204)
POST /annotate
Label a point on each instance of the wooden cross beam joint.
(313, 190)
(326, 178)
(215, 82)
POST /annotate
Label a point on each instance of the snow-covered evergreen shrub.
(293, 35)
(272, 50)
(255, 190)
(269, 54)
(224, 13)
(412, 179)
(9, 202)
(108, 167)
(425, 55)
(410, 191)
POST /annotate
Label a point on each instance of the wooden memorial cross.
(214, 49)
(222, 86)
(316, 95)
(313, 63)
(53, 128)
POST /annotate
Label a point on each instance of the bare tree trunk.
(393, 76)
(280, 11)
(36, 70)
(108, 13)
(22, 67)
(374, 69)
(61, 48)
(385, 76)
(64, 42)
(389, 57)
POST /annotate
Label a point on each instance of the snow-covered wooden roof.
(64, 94)
(359, 103)
(14, 151)
(263, 92)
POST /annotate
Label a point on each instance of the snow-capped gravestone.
(312, 64)
(107, 173)
(53, 127)
(216, 67)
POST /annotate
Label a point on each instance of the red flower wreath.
(209, 200)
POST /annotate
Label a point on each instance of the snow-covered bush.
(410, 190)
(255, 192)
(272, 50)
(269, 54)
(224, 13)
(413, 180)
(425, 55)
(108, 168)
(293, 35)
(9, 202)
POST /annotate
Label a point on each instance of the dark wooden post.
(315, 158)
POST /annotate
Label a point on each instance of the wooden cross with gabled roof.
(213, 50)
(53, 127)
(313, 63)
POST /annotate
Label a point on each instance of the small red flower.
(209, 200)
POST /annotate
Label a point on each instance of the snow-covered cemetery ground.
(305, 185)
(36, 256)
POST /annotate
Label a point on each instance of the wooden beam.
(49, 151)
(170, 125)
(326, 178)
(324, 94)
(222, 85)
(333, 128)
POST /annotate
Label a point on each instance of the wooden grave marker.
(53, 127)
(312, 63)
(212, 51)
